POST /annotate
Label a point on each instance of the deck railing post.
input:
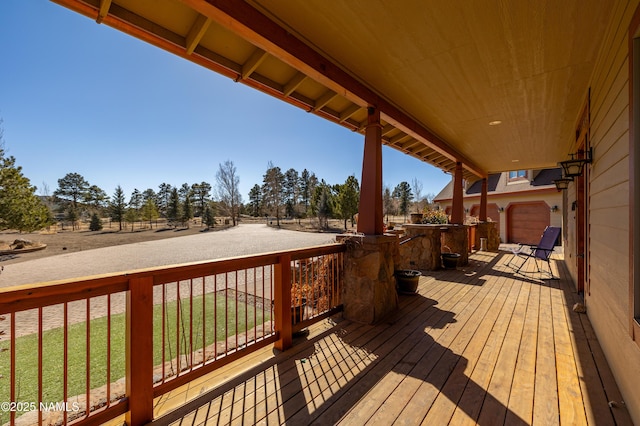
(139, 351)
(282, 302)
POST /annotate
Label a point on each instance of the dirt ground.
(60, 241)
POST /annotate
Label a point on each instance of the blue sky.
(80, 97)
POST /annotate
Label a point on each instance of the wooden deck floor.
(478, 345)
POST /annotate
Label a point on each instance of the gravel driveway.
(241, 240)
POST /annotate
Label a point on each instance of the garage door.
(492, 212)
(526, 222)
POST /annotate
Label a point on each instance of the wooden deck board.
(478, 345)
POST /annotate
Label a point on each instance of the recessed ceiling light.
(495, 123)
(514, 161)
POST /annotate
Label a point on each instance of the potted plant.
(434, 216)
(299, 293)
(407, 280)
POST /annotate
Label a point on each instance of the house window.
(517, 175)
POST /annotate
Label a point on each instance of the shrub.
(434, 216)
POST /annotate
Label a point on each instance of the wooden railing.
(88, 350)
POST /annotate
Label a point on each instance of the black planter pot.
(450, 260)
(407, 280)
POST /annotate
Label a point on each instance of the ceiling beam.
(197, 31)
(250, 24)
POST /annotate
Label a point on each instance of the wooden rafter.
(347, 113)
(398, 139)
(252, 63)
(324, 100)
(197, 31)
(388, 128)
(293, 84)
(103, 10)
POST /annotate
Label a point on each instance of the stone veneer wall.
(489, 231)
(456, 238)
(423, 251)
(369, 292)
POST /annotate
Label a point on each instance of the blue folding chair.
(541, 252)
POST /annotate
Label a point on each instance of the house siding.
(607, 290)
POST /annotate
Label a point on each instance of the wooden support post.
(483, 201)
(139, 351)
(282, 302)
(457, 208)
(370, 218)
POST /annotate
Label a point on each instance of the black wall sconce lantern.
(562, 183)
(573, 167)
(501, 209)
(554, 209)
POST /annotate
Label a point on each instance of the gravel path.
(238, 241)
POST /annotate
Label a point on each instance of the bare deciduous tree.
(417, 192)
(229, 189)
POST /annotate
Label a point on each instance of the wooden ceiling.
(439, 71)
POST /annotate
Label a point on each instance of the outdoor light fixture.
(554, 209)
(574, 166)
(501, 209)
(562, 183)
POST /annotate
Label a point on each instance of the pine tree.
(174, 211)
(96, 223)
(163, 196)
(73, 187)
(20, 208)
(403, 193)
(324, 206)
(118, 206)
(348, 199)
(272, 190)
(209, 217)
(149, 212)
(201, 194)
(291, 192)
(255, 200)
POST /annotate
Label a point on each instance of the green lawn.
(53, 349)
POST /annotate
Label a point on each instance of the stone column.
(369, 292)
